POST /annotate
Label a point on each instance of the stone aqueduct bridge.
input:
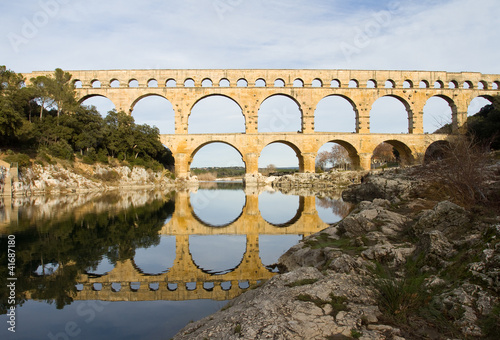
(174, 284)
(458, 89)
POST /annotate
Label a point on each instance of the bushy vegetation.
(484, 126)
(45, 118)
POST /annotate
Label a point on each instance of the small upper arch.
(260, 82)
(371, 84)
(224, 82)
(242, 82)
(407, 84)
(438, 84)
(316, 83)
(453, 84)
(170, 83)
(189, 82)
(482, 85)
(95, 83)
(468, 85)
(335, 83)
(390, 84)
(152, 82)
(207, 82)
(279, 83)
(298, 83)
(353, 83)
(133, 83)
(424, 84)
(114, 83)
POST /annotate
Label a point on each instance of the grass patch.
(356, 334)
(491, 324)
(338, 303)
(402, 300)
(237, 329)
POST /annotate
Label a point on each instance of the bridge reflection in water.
(186, 280)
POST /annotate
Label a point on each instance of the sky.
(448, 35)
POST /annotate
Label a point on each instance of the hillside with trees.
(44, 120)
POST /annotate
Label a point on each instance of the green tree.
(88, 127)
(62, 91)
(146, 141)
(12, 105)
(119, 133)
(55, 91)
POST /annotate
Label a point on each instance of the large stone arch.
(435, 151)
(93, 95)
(488, 97)
(406, 155)
(214, 95)
(351, 149)
(345, 97)
(407, 106)
(143, 96)
(199, 147)
(451, 104)
(267, 97)
(217, 96)
(294, 147)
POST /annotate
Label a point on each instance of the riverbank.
(63, 178)
(406, 263)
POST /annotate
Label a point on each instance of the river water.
(143, 264)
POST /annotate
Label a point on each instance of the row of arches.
(279, 82)
(160, 258)
(282, 113)
(282, 154)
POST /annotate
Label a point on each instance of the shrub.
(61, 150)
(109, 176)
(21, 159)
(102, 156)
(459, 174)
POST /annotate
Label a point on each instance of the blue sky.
(450, 35)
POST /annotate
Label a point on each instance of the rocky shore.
(403, 264)
(81, 178)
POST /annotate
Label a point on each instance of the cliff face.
(400, 266)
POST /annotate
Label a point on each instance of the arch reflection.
(280, 210)
(213, 209)
(207, 255)
(160, 250)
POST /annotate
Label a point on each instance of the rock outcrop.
(57, 179)
(328, 180)
(398, 266)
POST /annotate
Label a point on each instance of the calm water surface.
(141, 265)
